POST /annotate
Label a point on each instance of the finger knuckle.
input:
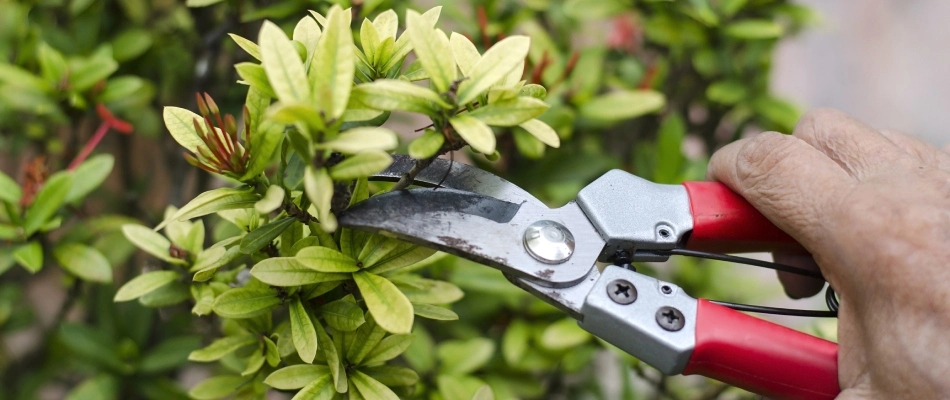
(763, 156)
(814, 125)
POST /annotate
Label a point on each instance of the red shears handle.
(738, 349)
(724, 222)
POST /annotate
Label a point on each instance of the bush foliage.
(249, 286)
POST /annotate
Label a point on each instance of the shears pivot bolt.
(549, 242)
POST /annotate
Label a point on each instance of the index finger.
(790, 182)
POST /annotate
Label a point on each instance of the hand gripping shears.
(618, 219)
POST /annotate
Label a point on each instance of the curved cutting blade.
(480, 228)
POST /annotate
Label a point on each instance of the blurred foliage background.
(84, 75)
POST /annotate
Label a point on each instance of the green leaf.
(330, 351)
(272, 200)
(669, 141)
(208, 261)
(510, 112)
(386, 24)
(465, 52)
(254, 362)
(201, 3)
(265, 234)
(319, 189)
(52, 64)
(434, 312)
(264, 144)
(393, 95)
(726, 92)
(370, 388)
(10, 191)
(493, 66)
(250, 47)
(429, 291)
(777, 111)
(388, 348)
(102, 387)
(204, 298)
(179, 123)
(324, 259)
(563, 335)
(272, 355)
(213, 201)
(475, 132)
(484, 393)
(169, 355)
(427, 145)
(542, 132)
(754, 29)
(29, 256)
(366, 338)
(89, 175)
(151, 242)
(431, 47)
(255, 76)
(361, 165)
(296, 376)
(284, 69)
(621, 105)
(245, 302)
(288, 271)
(166, 296)
(391, 375)
(84, 262)
(389, 307)
(307, 32)
(91, 345)
(319, 389)
(221, 347)
(144, 284)
(303, 332)
(331, 75)
(343, 315)
(533, 90)
(86, 72)
(362, 139)
(369, 39)
(464, 356)
(47, 202)
(514, 343)
(130, 44)
(420, 355)
(216, 387)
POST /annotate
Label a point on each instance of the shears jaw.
(485, 230)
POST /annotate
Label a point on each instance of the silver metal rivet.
(549, 242)
(622, 292)
(670, 318)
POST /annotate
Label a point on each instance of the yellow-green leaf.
(331, 73)
(510, 112)
(144, 284)
(89, 175)
(370, 388)
(465, 52)
(324, 259)
(284, 69)
(484, 392)
(752, 29)
(272, 200)
(221, 347)
(180, 123)
(213, 201)
(29, 256)
(9, 190)
(621, 105)
(307, 32)
(432, 48)
(245, 302)
(542, 132)
(493, 66)
(361, 165)
(388, 348)
(393, 94)
(475, 132)
(369, 39)
(302, 330)
(319, 189)
(250, 47)
(386, 24)
(255, 77)
(563, 335)
(264, 235)
(151, 242)
(363, 139)
(295, 376)
(343, 315)
(320, 389)
(465, 356)
(389, 307)
(216, 387)
(427, 145)
(434, 312)
(287, 271)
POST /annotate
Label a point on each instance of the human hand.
(873, 209)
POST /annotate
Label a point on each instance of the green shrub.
(251, 279)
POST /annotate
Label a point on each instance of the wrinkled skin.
(873, 208)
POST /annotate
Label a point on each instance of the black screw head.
(666, 289)
(670, 318)
(622, 292)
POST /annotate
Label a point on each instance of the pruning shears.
(618, 219)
